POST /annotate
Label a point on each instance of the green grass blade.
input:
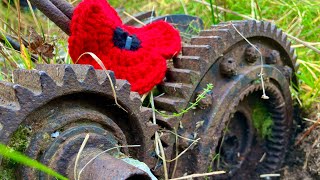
(212, 13)
(20, 158)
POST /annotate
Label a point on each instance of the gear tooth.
(224, 33)
(24, 95)
(169, 103)
(152, 129)
(8, 98)
(47, 83)
(279, 128)
(239, 26)
(273, 160)
(30, 79)
(253, 26)
(146, 112)
(167, 138)
(106, 77)
(176, 89)
(276, 147)
(56, 71)
(103, 77)
(169, 121)
(182, 75)
(123, 86)
(279, 135)
(273, 30)
(84, 73)
(267, 26)
(70, 77)
(187, 62)
(284, 38)
(246, 27)
(279, 34)
(275, 140)
(207, 32)
(269, 167)
(260, 26)
(135, 97)
(203, 40)
(80, 71)
(204, 51)
(288, 44)
(214, 41)
(65, 74)
(91, 76)
(292, 51)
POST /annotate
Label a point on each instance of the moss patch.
(262, 120)
(7, 174)
(19, 142)
(20, 139)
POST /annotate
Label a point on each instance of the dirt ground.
(303, 160)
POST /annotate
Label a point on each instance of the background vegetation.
(298, 18)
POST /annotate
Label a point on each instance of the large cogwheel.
(47, 112)
(240, 132)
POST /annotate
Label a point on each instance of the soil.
(303, 160)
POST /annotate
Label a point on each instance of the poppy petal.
(93, 30)
(159, 35)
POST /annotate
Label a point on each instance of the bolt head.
(287, 71)
(228, 67)
(251, 54)
(273, 57)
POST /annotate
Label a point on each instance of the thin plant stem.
(98, 60)
(134, 18)
(78, 156)
(264, 96)
(212, 13)
(100, 154)
(22, 159)
(200, 175)
(193, 105)
(177, 153)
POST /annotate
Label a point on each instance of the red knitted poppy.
(135, 54)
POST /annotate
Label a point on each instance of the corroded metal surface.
(75, 100)
(64, 6)
(72, 100)
(209, 53)
(106, 167)
(52, 11)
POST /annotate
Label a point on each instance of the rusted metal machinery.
(74, 100)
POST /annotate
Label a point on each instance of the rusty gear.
(72, 100)
(199, 65)
(31, 104)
